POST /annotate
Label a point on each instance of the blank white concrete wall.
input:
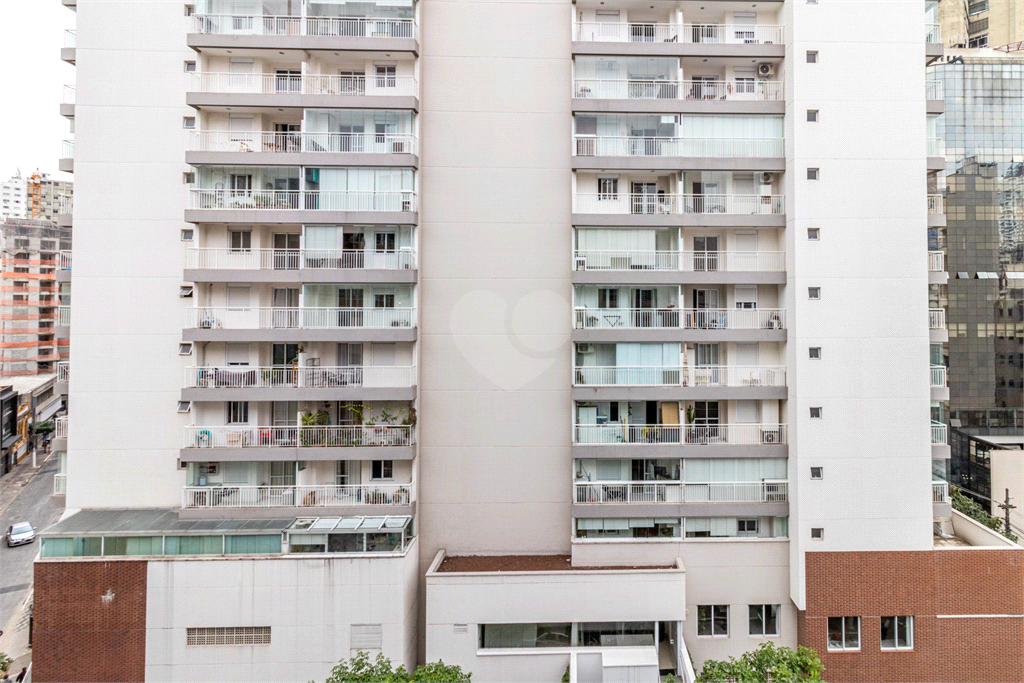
(870, 263)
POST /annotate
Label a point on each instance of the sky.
(31, 36)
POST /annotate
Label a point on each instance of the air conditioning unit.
(584, 348)
(766, 178)
(765, 70)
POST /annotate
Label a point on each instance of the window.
(977, 8)
(816, 472)
(184, 406)
(747, 527)
(712, 620)
(978, 41)
(812, 56)
(844, 633)
(383, 300)
(231, 635)
(812, 174)
(188, 122)
(897, 633)
(241, 240)
(607, 298)
(386, 75)
(190, 10)
(615, 633)
(764, 620)
(185, 292)
(816, 413)
(817, 533)
(525, 635)
(383, 469)
(607, 189)
(238, 412)
(190, 67)
(813, 234)
(812, 115)
(185, 349)
(814, 353)
(188, 178)
(187, 234)
(814, 293)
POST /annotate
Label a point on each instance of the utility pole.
(1006, 507)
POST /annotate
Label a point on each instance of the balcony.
(635, 146)
(60, 433)
(938, 378)
(680, 261)
(696, 435)
(66, 162)
(332, 27)
(67, 53)
(664, 89)
(703, 34)
(330, 496)
(680, 376)
(396, 207)
(939, 436)
(63, 316)
(301, 437)
(940, 492)
(244, 383)
(646, 492)
(63, 371)
(299, 318)
(936, 205)
(681, 318)
(303, 265)
(67, 105)
(937, 318)
(696, 205)
(60, 484)
(307, 90)
(934, 90)
(933, 34)
(937, 274)
(277, 143)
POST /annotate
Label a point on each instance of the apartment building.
(981, 245)
(532, 337)
(13, 197)
(37, 197)
(33, 338)
(981, 23)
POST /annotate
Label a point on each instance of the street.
(23, 497)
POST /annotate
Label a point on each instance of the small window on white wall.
(817, 473)
(814, 353)
(815, 413)
(812, 174)
(812, 115)
(813, 234)
(814, 293)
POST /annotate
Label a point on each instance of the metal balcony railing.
(649, 203)
(288, 25)
(681, 376)
(680, 492)
(688, 261)
(699, 435)
(685, 318)
(300, 200)
(658, 89)
(245, 377)
(324, 495)
(299, 318)
(645, 32)
(294, 259)
(294, 142)
(244, 436)
(633, 146)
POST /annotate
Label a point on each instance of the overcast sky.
(31, 35)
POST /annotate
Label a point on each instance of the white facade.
(495, 203)
(13, 198)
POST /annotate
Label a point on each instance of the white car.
(20, 534)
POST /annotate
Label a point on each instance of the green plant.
(43, 428)
(968, 506)
(5, 662)
(566, 677)
(691, 414)
(766, 664)
(359, 669)
(311, 419)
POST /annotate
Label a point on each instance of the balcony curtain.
(251, 545)
(323, 238)
(616, 240)
(704, 471)
(716, 526)
(724, 126)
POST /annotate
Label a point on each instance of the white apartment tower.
(529, 336)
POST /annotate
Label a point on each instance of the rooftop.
(28, 384)
(152, 522)
(523, 563)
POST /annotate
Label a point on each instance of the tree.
(766, 664)
(968, 506)
(5, 661)
(359, 669)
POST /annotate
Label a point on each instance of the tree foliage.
(360, 669)
(766, 664)
(5, 662)
(968, 506)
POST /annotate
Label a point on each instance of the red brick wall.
(89, 622)
(922, 584)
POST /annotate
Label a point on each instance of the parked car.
(20, 534)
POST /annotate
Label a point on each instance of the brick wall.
(89, 622)
(922, 584)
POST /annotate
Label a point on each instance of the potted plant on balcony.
(402, 496)
(691, 431)
(314, 437)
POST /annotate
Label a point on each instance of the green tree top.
(766, 664)
(359, 669)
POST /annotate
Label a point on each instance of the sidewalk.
(14, 641)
